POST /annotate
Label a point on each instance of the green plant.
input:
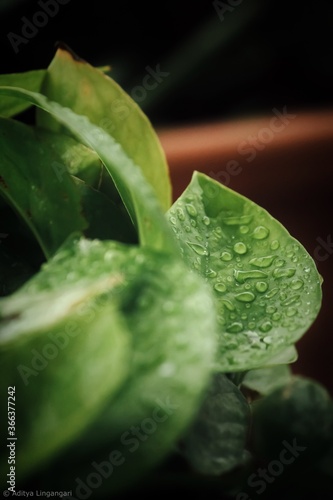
(135, 331)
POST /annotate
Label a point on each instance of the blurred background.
(211, 75)
(223, 58)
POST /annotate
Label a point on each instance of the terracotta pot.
(284, 163)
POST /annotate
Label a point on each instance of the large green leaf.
(137, 195)
(215, 443)
(64, 350)
(30, 80)
(170, 315)
(86, 90)
(266, 285)
(29, 183)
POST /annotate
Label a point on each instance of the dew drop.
(270, 309)
(271, 293)
(260, 233)
(268, 340)
(220, 287)
(226, 256)
(199, 249)
(290, 300)
(237, 220)
(244, 229)
(276, 316)
(211, 273)
(228, 305)
(291, 311)
(187, 229)
(262, 262)
(206, 220)
(217, 232)
(240, 248)
(252, 325)
(284, 273)
(296, 284)
(193, 223)
(275, 245)
(266, 326)
(280, 262)
(235, 327)
(261, 286)
(244, 316)
(180, 214)
(221, 320)
(245, 297)
(173, 220)
(242, 276)
(191, 210)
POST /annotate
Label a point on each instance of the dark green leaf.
(136, 193)
(87, 91)
(30, 80)
(170, 315)
(266, 285)
(65, 350)
(29, 183)
(301, 412)
(216, 441)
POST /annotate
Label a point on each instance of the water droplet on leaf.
(262, 262)
(260, 233)
(240, 248)
(220, 287)
(284, 273)
(191, 210)
(236, 327)
(199, 249)
(265, 326)
(261, 286)
(226, 256)
(245, 297)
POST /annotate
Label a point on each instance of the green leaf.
(265, 380)
(286, 356)
(74, 157)
(136, 193)
(75, 84)
(65, 350)
(216, 441)
(301, 412)
(105, 219)
(266, 285)
(30, 184)
(30, 80)
(174, 340)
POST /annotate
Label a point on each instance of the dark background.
(256, 55)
